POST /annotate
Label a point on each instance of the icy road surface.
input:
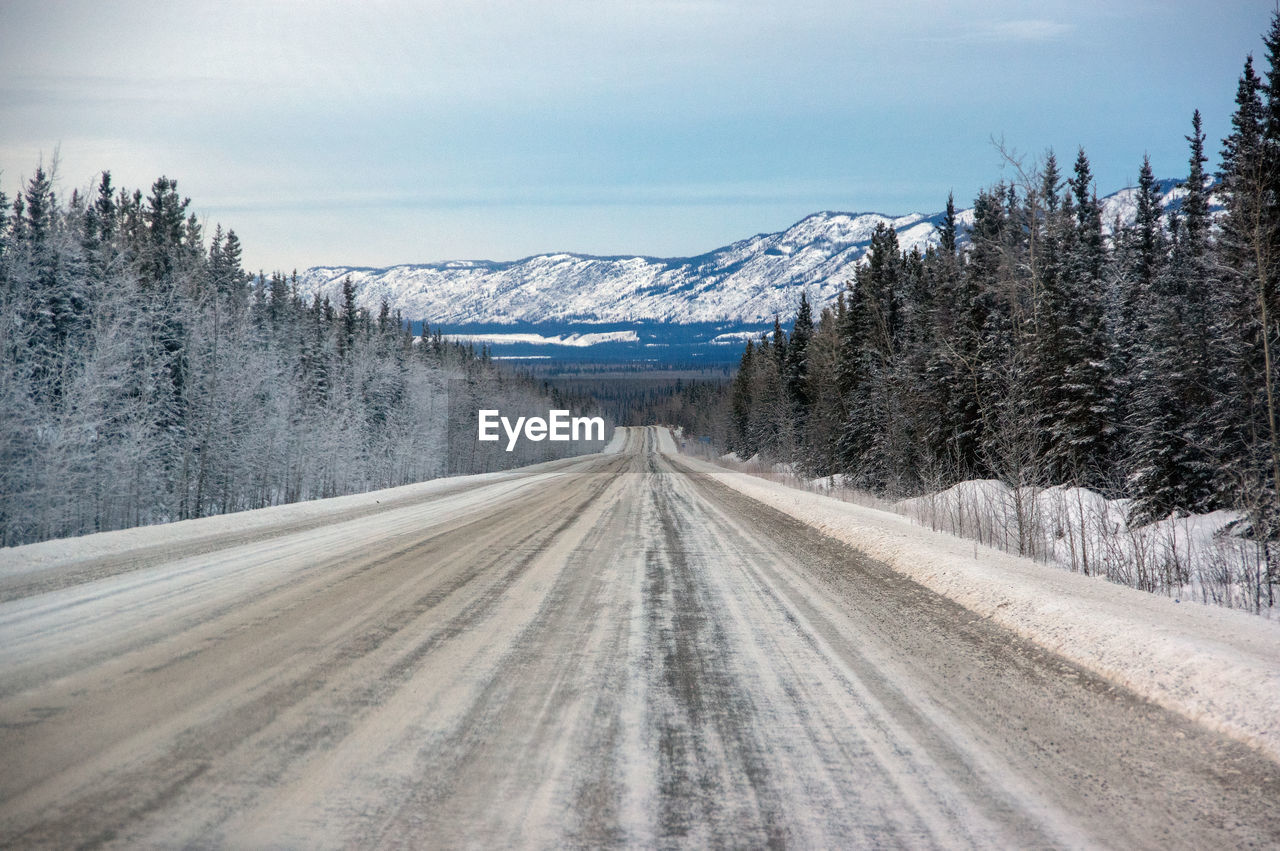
(613, 650)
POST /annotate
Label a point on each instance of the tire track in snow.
(619, 653)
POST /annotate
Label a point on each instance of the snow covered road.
(603, 651)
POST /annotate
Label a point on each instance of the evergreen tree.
(350, 317)
(1245, 305)
(278, 300)
(871, 337)
(165, 218)
(232, 278)
(797, 365)
(4, 241)
(967, 358)
(1172, 470)
(826, 410)
(1236, 340)
(1074, 345)
(947, 232)
(1140, 257)
(742, 404)
(779, 345)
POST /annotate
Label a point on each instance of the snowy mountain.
(747, 282)
(1122, 206)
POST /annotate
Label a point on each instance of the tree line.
(1136, 358)
(146, 377)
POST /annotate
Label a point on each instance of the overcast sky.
(375, 133)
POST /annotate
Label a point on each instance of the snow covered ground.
(188, 535)
(15, 562)
(1192, 557)
(1214, 665)
(1218, 666)
(574, 340)
(627, 649)
(608, 650)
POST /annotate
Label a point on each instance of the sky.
(375, 132)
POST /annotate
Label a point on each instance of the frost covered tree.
(140, 384)
(1084, 412)
(1171, 461)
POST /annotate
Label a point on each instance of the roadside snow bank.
(61, 552)
(1192, 556)
(1217, 666)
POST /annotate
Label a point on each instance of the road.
(606, 651)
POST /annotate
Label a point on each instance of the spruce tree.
(797, 365)
(779, 345)
(1237, 415)
(968, 358)
(347, 339)
(1080, 413)
(1171, 468)
(947, 232)
(827, 411)
(871, 337)
(741, 404)
(1245, 304)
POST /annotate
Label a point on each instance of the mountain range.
(728, 292)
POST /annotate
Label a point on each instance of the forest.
(145, 377)
(1045, 346)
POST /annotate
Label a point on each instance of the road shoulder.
(1215, 666)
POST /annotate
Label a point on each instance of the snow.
(666, 443)
(1190, 557)
(1123, 205)
(577, 340)
(738, 282)
(616, 442)
(186, 534)
(1218, 666)
(331, 677)
(734, 338)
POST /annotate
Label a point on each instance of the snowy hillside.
(746, 282)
